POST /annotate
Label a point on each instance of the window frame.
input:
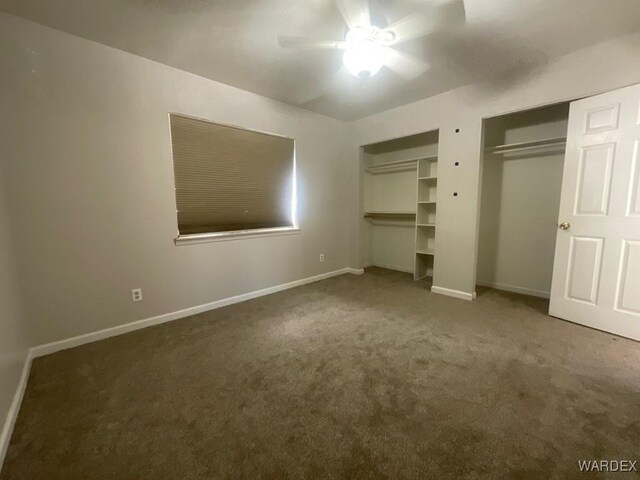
(197, 238)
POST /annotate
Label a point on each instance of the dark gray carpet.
(354, 377)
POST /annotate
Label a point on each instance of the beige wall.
(91, 185)
(14, 341)
(597, 69)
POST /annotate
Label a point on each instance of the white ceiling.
(235, 42)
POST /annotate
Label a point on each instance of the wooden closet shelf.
(427, 251)
(390, 215)
(428, 178)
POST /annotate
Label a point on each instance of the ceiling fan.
(369, 41)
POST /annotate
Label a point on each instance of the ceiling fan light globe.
(364, 59)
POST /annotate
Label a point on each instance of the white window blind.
(230, 179)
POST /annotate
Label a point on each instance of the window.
(231, 181)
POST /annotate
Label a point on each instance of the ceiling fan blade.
(290, 42)
(404, 65)
(355, 12)
(434, 16)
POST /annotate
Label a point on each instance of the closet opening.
(521, 183)
(399, 199)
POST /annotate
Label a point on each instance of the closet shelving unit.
(427, 179)
(398, 181)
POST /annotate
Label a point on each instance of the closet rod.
(398, 165)
(524, 146)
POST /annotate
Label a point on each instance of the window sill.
(236, 235)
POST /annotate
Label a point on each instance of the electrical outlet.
(321, 257)
(136, 294)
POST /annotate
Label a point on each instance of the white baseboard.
(12, 415)
(355, 271)
(390, 267)
(453, 293)
(53, 347)
(393, 267)
(514, 289)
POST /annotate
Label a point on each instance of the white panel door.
(596, 273)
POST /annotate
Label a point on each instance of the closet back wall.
(520, 202)
(92, 194)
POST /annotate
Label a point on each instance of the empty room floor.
(366, 376)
